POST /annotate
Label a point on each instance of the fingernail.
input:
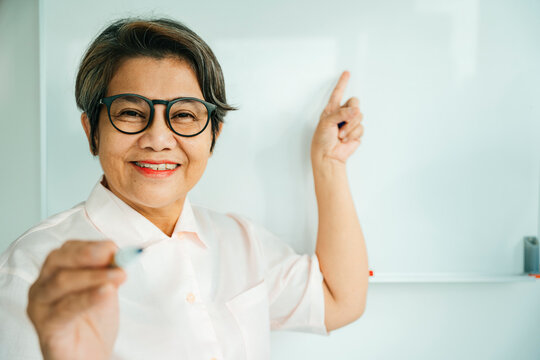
(105, 288)
(114, 274)
(341, 133)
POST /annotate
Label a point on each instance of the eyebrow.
(132, 99)
(136, 99)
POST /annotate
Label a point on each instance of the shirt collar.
(126, 227)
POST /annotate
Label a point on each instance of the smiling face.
(128, 161)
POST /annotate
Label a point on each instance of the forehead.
(167, 78)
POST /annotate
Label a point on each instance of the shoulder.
(229, 223)
(24, 257)
(240, 232)
(231, 231)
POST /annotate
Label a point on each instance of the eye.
(183, 116)
(130, 113)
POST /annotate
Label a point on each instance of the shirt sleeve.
(18, 339)
(19, 268)
(294, 282)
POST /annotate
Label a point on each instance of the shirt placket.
(206, 345)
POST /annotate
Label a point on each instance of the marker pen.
(124, 256)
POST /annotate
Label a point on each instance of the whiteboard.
(448, 173)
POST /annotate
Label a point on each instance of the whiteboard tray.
(448, 278)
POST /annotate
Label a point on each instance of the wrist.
(325, 166)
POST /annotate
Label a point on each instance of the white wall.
(446, 178)
(19, 118)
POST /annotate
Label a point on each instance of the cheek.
(106, 147)
(112, 150)
(197, 153)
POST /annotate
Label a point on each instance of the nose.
(158, 136)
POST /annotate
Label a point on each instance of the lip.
(155, 174)
(156, 161)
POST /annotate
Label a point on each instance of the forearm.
(340, 247)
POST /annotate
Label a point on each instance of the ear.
(216, 137)
(219, 130)
(85, 121)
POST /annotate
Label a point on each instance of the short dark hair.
(156, 38)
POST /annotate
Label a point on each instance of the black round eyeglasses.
(133, 113)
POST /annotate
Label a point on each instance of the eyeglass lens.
(131, 114)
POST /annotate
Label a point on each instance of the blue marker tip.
(126, 255)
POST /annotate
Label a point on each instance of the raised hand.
(331, 142)
(74, 302)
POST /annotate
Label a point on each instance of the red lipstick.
(154, 172)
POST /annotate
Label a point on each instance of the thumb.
(342, 115)
(352, 102)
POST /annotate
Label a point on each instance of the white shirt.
(213, 290)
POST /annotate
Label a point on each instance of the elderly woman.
(208, 285)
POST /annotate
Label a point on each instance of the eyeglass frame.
(107, 101)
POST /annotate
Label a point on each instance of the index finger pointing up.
(337, 94)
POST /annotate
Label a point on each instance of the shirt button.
(190, 298)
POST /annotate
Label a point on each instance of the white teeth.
(157, 166)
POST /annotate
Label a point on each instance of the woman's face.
(121, 155)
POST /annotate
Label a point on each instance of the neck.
(164, 218)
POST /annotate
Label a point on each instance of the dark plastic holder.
(531, 254)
